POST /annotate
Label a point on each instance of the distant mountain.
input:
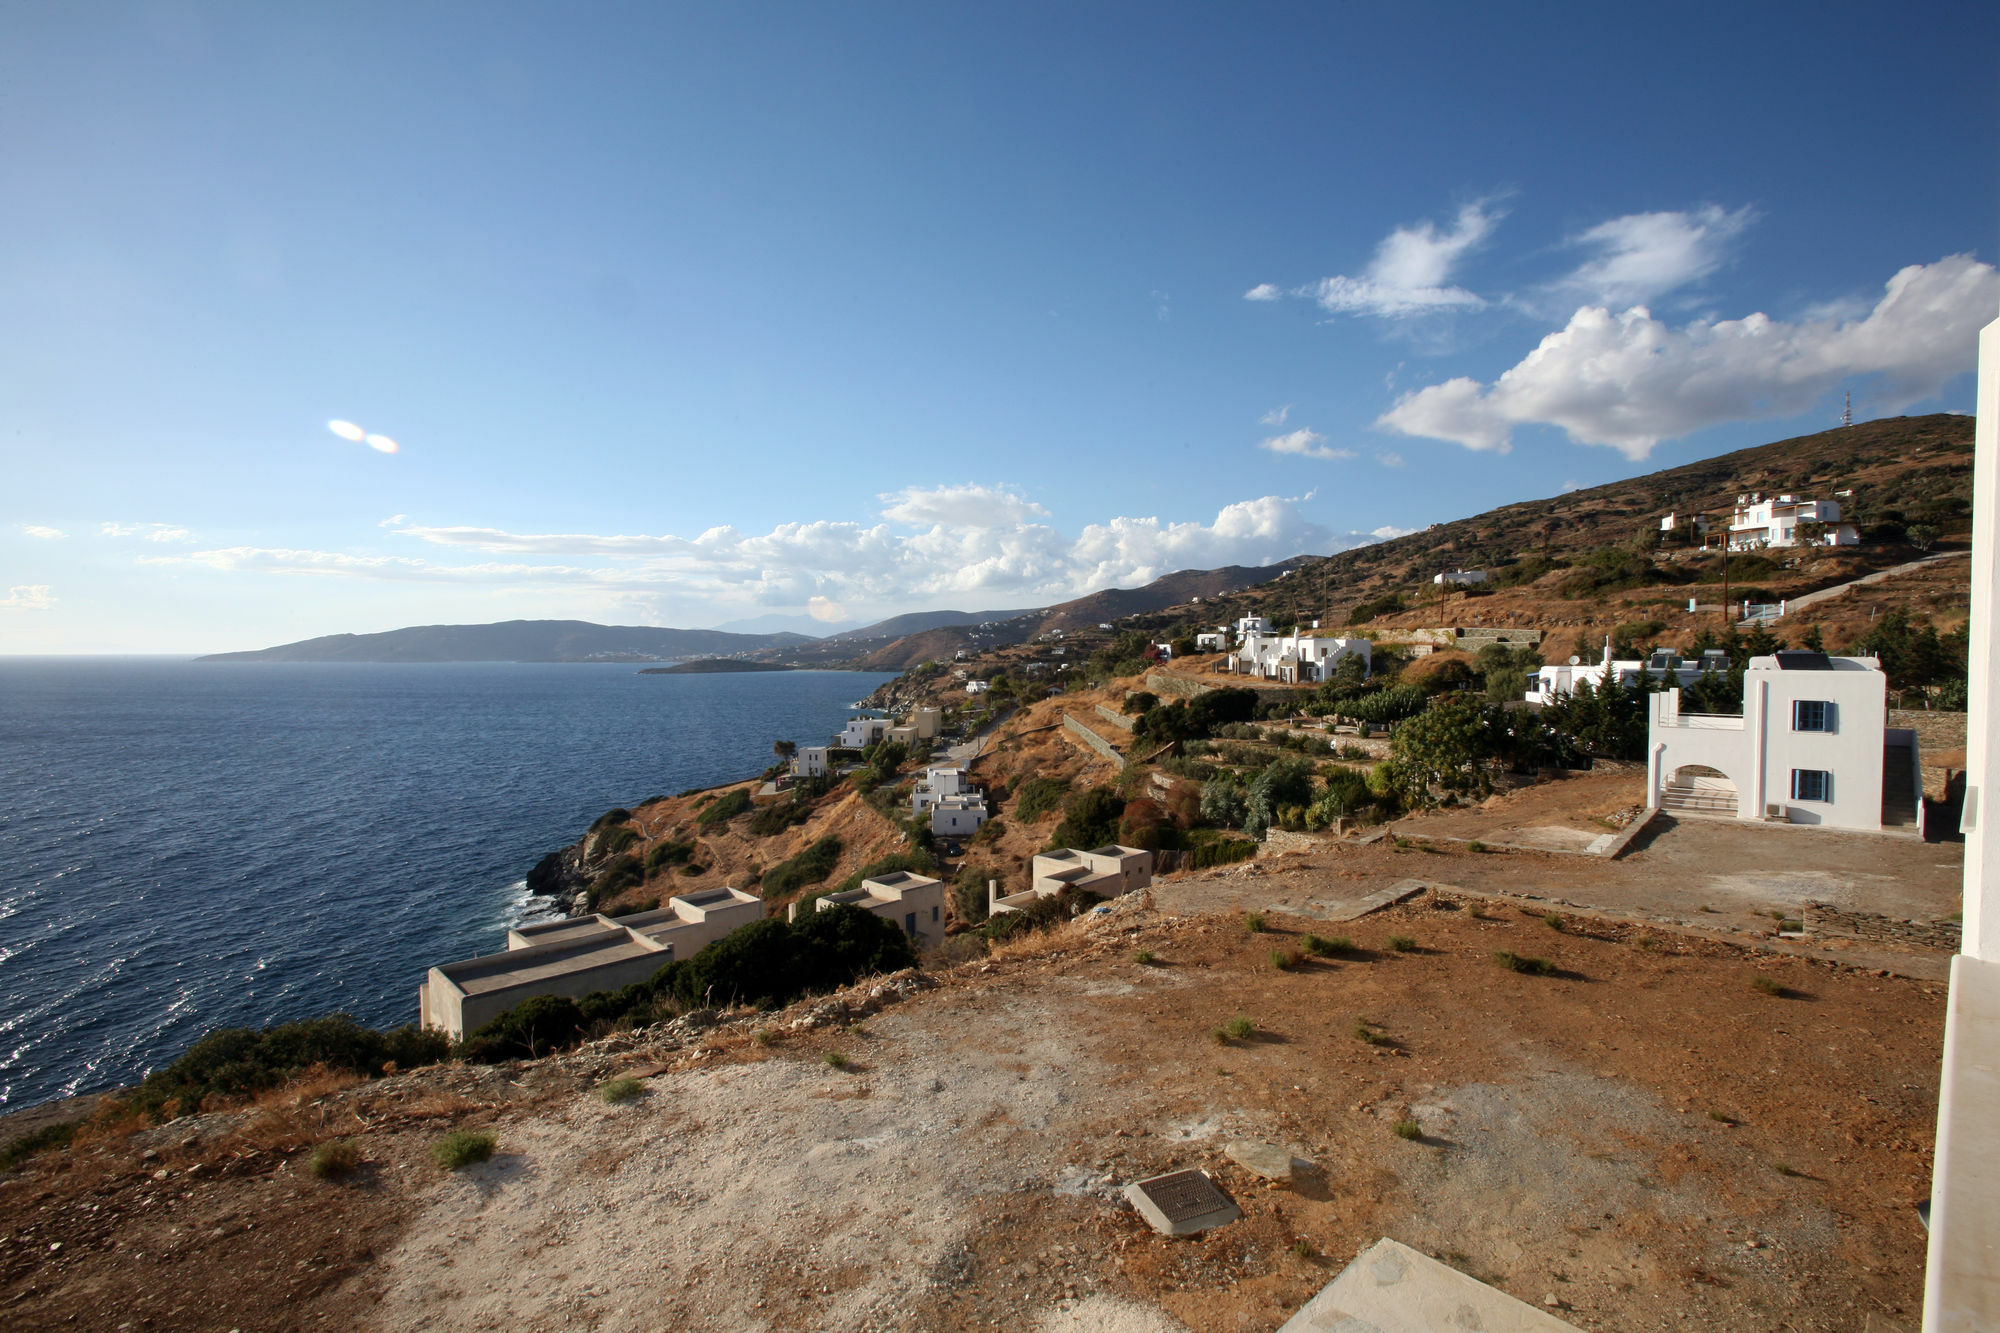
(916, 622)
(780, 623)
(519, 641)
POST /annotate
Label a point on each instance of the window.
(934, 914)
(1811, 715)
(1811, 784)
(910, 923)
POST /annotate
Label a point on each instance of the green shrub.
(1144, 957)
(1038, 797)
(615, 815)
(1513, 962)
(41, 1140)
(621, 1089)
(968, 892)
(1409, 1129)
(1323, 947)
(1766, 986)
(235, 1062)
(462, 1148)
(1040, 914)
(1284, 960)
(1253, 922)
(1554, 921)
(534, 1027)
(1475, 846)
(810, 866)
(1090, 819)
(836, 1059)
(331, 1161)
(614, 841)
(623, 873)
(1239, 1028)
(1402, 944)
(668, 854)
(779, 816)
(727, 806)
(1364, 1031)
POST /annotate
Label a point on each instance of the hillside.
(1591, 560)
(517, 641)
(916, 622)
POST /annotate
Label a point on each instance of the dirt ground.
(1750, 1162)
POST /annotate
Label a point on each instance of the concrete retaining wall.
(1179, 686)
(1826, 919)
(1094, 741)
(1116, 718)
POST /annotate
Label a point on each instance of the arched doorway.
(1697, 789)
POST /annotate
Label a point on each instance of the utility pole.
(1847, 411)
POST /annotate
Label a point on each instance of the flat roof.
(500, 971)
(569, 928)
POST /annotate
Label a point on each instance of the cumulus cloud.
(1305, 444)
(45, 534)
(825, 610)
(1642, 256)
(28, 597)
(1276, 416)
(1389, 531)
(961, 506)
(152, 532)
(1628, 380)
(1412, 268)
(1263, 291)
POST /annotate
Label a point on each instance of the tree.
(1140, 702)
(1223, 803)
(1921, 535)
(1442, 749)
(1278, 784)
(1089, 820)
(784, 749)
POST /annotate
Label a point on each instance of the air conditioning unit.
(1779, 813)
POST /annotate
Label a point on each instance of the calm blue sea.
(189, 846)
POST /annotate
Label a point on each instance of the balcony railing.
(1712, 721)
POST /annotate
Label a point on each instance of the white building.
(1812, 747)
(1674, 522)
(1252, 625)
(914, 902)
(1106, 872)
(936, 784)
(1759, 522)
(811, 761)
(1459, 578)
(1550, 683)
(577, 955)
(862, 732)
(958, 816)
(1212, 641)
(977, 686)
(1296, 659)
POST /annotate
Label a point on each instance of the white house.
(1105, 871)
(1812, 747)
(1212, 641)
(1252, 625)
(1674, 522)
(1760, 521)
(811, 761)
(1165, 650)
(958, 816)
(977, 686)
(1296, 659)
(1550, 683)
(862, 732)
(914, 902)
(936, 784)
(1459, 578)
(574, 956)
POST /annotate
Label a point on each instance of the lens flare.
(382, 444)
(347, 430)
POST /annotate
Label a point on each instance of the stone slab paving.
(1391, 1288)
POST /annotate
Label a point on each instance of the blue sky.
(694, 315)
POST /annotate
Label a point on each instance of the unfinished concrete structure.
(577, 955)
(1104, 871)
(915, 903)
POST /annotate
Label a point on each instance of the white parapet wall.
(1962, 1275)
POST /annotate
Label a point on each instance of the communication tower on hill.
(1847, 409)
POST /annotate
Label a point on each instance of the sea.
(187, 846)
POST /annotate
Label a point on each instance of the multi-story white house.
(977, 686)
(958, 816)
(1212, 640)
(811, 761)
(936, 784)
(862, 732)
(1296, 659)
(1760, 521)
(1675, 522)
(1812, 746)
(1252, 625)
(1550, 683)
(1459, 578)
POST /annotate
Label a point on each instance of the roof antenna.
(1847, 411)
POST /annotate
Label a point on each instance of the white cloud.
(962, 506)
(152, 532)
(833, 567)
(1411, 270)
(45, 534)
(1276, 416)
(1571, 485)
(1642, 256)
(1389, 531)
(1263, 291)
(1389, 458)
(1629, 381)
(28, 597)
(1304, 443)
(393, 521)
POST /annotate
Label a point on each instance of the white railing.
(1712, 721)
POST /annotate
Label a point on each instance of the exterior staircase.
(1689, 799)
